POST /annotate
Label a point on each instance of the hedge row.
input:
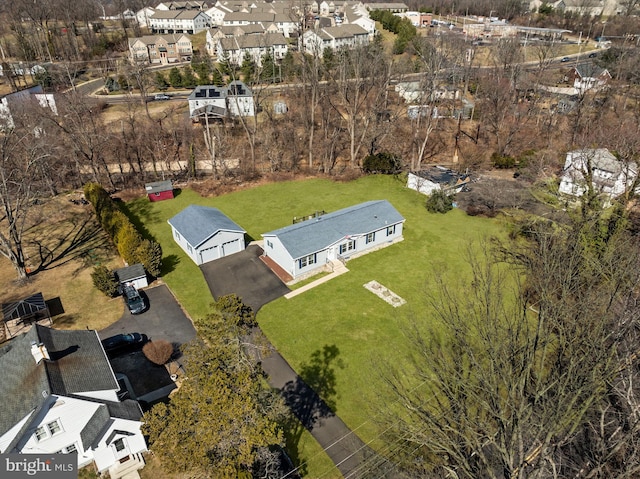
(132, 247)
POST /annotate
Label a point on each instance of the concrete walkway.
(338, 269)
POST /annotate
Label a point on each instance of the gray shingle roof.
(316, 234)
(158, 186)
(129, 273)
(94, 427)
(77, 364)
(153, 39)
(253, 41)
(23, 381)
(208, 91)
(199, 223)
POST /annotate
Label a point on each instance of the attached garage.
(206, 234)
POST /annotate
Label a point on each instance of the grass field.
(363, 329)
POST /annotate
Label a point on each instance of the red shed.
(159, 190)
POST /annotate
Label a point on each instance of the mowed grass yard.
(341, 313)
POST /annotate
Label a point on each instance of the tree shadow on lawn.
(80, 237)
(311, 398)
(138, 209)
(169, 264)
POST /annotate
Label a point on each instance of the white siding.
(106, 455)
(421, 185)
(184, 244)
(275, 250)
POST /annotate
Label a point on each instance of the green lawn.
(363, 329)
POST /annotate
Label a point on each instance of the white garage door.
(230, 247)
(209, 254)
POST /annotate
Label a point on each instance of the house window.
(391, 230)
(41, 433)
(44, 432)
(371, 237)
(68, 450)
(177, 235)
(119, 444)
(307, 260)
(269, 244)
(189, 248)
(54, 427)
(348, 246)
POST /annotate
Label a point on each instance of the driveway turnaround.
(246, 275)
(163, 319)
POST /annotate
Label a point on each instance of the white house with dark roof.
(59, 395)
(235, 99)
(304, 247)
(206, 234)
(609, 176)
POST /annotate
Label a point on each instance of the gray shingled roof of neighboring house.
(208, 91)
(170, 14)
(345, 31)
(158, 186)
(199, 223)
(153, 39)
(94, 427)
(253, 41)
(78, 362)
(316, 234)
(23, 381)
(589, 70)
(129, 273)
(249, 17)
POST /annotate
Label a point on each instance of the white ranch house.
(206, 234)
(60, 396)
(609, 176)
(303, 248)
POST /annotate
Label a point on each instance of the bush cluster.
(104, 280)
(131, 246)
(439, 202)
(384, 163)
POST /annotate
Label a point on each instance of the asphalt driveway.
(246, 275)
(163, 319)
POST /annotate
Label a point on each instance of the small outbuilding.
(134, 275)
(206, 234)
(159, 190)
(435, 178)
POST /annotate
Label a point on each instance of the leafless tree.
(514, 364)
(360, 85)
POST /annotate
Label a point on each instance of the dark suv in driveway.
(134, 301)
(122, 342)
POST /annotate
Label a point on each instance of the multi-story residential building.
(235, 49)
(178, 21)
(211, 101)
(161, 49)
(60, 396)
(335, 38)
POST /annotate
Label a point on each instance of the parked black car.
(120, 342)
(134, 301)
